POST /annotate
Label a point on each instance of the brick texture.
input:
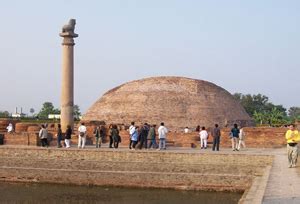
(189, 171)
(177, 101)
(256, 137)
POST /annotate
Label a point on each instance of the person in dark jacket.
(59, 136)
(216, 134)
(68, 135)
(114, 132)
(152, 137)
(144, 135)
(110, 136)
(97, 136)
(102, 134)
(234, 134)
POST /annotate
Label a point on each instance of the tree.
(270, 106)
(259, 117)
(258, 103)
(4, 114)
(77, 112)
(252, 103)
(47, 109)
(261, 110)
(294, 112)
(275, 116)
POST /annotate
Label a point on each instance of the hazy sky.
(242, 46)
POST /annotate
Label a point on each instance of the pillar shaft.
(67, 92)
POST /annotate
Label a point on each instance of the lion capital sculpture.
(69, 28)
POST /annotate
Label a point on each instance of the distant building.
(54, 116)
(18, 115)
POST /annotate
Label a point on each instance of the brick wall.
(256, 137)
(261, 137)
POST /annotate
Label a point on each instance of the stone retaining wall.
(189, 171)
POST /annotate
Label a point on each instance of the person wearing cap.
(292, 136)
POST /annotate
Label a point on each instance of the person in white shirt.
(186, 130)
(43, 134)
(82, 135)
(162, 135)
(203, 138)
(241, 139)
(10, 128)
(131, 131)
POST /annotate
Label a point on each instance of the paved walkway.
(284, 183)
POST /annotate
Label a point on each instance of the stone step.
(163, 169)
(146, 156)
(184, 181)
(65, 163)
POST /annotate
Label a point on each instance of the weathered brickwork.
(4, 123)
(259, 137)
(126, 168)
(177, 101)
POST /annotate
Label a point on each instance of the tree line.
(263, 111)
(47, 109)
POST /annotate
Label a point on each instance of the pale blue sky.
(243, 46)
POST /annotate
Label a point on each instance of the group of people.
(237, 137)
(43, 135)
(64, 140)
(145, 136)
(114, 137)
(140, 137)
(99, 134)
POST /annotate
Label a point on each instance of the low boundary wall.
(257, 137)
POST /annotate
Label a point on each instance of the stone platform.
(261, 173)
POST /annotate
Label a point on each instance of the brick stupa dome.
(177, 101)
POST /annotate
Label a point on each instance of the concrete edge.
(255, 194)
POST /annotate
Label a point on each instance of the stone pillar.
(67, 86)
